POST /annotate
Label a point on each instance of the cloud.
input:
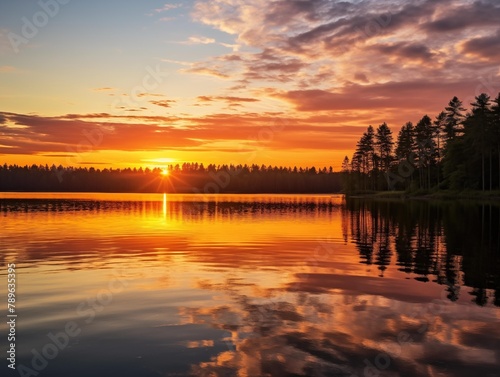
(229, 99)
(319, 44)
(164, 103)
(405, 50)
(31, 134)
(231, 58)
(269, 65)
(415, 97)
(104, 89)
(179, 62)
(200, 70)
(234, 47)
(167, 7)
(7, 69)
(483, 47)
(147, 94)
(358, 76)
(462, 16)
(194, 40)
(146, 119)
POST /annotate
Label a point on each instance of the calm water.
(260, 285)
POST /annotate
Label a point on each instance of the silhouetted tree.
(439, 125)
(454, 118)
(364, 156)
(495, 128)
(384, 144)
(477, 130)
(406, 148)
(426, 150)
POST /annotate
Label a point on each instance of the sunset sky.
(147, 83)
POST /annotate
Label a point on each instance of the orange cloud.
(7, 69)
(28, 134)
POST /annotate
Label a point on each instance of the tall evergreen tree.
(476, 130)
(405, 145)
(439, 125)
(345, 165)
(384, 143)
(346, 175)
(424, 139)
(405, 149)
(454, 119)
(495, 130)
(371, 156)
(365, 153)
(356, 174)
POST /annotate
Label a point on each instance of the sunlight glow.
(164, 205)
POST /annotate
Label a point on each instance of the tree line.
(456, 150)
(185, 178)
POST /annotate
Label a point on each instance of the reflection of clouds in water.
(345, 334)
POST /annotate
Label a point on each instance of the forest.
(457, 150)
(185, 178)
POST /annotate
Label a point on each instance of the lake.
(250, 285)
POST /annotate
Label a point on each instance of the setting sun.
(164, 172)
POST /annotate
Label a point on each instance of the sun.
(164, 172)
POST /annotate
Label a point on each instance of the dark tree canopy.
(185, 178)
(456, 151)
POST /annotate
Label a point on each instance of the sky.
(288, 83)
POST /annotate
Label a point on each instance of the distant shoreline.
(444, 195)
(437, 195)
(170, 193)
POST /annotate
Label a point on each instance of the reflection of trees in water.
(451, 243)
(197, 208)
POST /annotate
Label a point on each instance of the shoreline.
(444, 195)
(436, 195)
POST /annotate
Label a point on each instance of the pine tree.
(346, 175)
(476, 128)
(405, 145)
(495, 129)
(424, 133)
(365, 155)
(384, 145)
(439, 125)
(454, 119)
(405, 150)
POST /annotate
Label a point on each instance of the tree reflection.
(451, 243)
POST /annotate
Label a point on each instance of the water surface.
(252, 285)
